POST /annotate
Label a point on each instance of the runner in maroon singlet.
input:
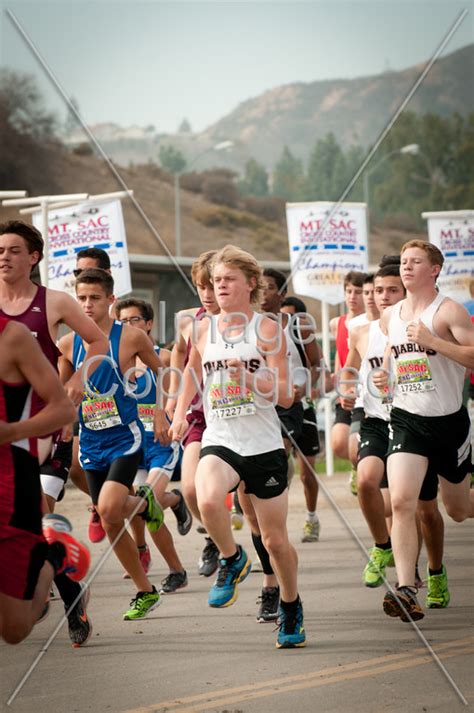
(201, 277)
(43, 310)
(27, 562)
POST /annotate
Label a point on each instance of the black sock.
(67, 588)
(234, 557)
(386, 546)
(141, 548)
(288, 606)
(435, 571)
(263, 555)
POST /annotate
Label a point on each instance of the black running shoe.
(403, 603)
(173, 582)
(209, 559)
(79, 624)
(182, 514)
(269, 601)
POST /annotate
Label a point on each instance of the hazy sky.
(156, 62)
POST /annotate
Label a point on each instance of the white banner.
(453, 233)
(325, 244)
(87, 225)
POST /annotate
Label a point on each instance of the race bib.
(228, 401)
(414, 375)
(146, 413)
(100, 413)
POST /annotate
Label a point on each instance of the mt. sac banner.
(87, 225)
(453, 233)
(325, 243)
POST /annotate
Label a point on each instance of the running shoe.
(291, 634)
(311, 531)
(374, 571)
(437, 596)
(353, 481)
(223, 592)
(142, 605)
(209, 559)
(145, 558)
(96, 531)
(401, 603)
(70, 555)
(153, 513)
(182, 514)
(173, 582)
(236, 519)
(269, 601)
(79, 624)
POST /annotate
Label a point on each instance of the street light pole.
(221, 146)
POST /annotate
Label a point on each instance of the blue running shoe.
(291, 634)
(223, 592)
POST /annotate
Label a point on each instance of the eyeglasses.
(132, 320)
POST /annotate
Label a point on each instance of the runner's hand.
(235, 367)
(67, 433)
(178, 429)
(420, 334)
(161, 426)
(75, 388)
(348, 400)
(380, 380)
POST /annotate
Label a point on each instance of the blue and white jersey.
(108, 415)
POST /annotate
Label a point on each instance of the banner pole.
(45, 230)
(327, 400)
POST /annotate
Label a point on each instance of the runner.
(427, 332)
(43, 311)
(186, 323)
(340, 432)
(111, 438)
(27, 563)
(242, 440)
(160, 461)
(88, 257)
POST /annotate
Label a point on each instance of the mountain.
(355, 110)
(297, 114)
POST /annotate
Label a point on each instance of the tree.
(172, 159)
(288, 177)
(185, 127)
(327, 170)
(255, 181)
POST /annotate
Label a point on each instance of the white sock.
(311, 516)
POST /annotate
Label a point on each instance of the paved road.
(187, 657)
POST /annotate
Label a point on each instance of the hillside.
(70, 173)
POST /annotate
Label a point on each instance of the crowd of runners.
(231, 406)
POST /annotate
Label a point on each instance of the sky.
(153, 62)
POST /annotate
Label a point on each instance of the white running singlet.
(376, 342)
(428, 383)
(247, 423)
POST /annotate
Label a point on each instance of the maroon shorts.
(22, 555)
(197, 424)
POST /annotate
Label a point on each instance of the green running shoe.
(437, 596)
(153, 513)
(353, 481)
(142, 605)
(374, 571)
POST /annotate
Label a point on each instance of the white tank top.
(377, 341)
(296, 366)
(244, 422)
(428, 383)
(358, 321)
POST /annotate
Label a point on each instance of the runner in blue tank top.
(160, 460)
(111, 437)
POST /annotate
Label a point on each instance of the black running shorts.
(308, 443)
(122, 470)
(342, 415)
(265, 474)
(444, 440)
(357, 416)
(291, 420)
